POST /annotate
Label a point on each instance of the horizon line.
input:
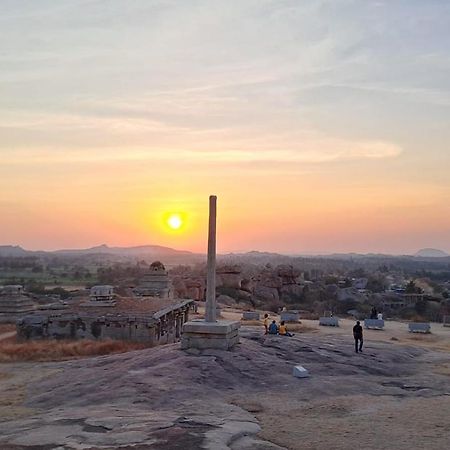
(240, 252)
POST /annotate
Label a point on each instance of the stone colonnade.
(160, 328)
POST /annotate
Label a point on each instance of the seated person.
(283, 330)
(273, 329)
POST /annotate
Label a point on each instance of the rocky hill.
(168, 399)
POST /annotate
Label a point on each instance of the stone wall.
(160, 328)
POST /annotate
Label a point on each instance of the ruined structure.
(160, 328)
(155, 282)
(14, 303)
(102, 295)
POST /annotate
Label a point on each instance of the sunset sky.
(322, 126)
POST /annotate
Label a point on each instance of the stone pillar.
(177, 327)
(210, 332)
(210, 312)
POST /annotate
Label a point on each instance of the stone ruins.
(160, 328)
(102, 295)
(155, 283)
(14, 303)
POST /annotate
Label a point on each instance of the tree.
(375, 284)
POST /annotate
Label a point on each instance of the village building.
(155, 282)
(14, 304)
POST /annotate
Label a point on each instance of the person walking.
(266, 323)
(358, 335)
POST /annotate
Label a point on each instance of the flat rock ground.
(391, 396)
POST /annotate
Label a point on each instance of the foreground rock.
(166, 398)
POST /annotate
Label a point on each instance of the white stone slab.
(300, 372)
(415, 327)
(329, 321)
(375, 324)
(289, 316)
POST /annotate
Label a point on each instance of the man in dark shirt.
(358, 335)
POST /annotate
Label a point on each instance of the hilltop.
(168, 399)
(142, 250)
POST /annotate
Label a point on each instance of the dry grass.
(7, 328)
(300, 328)
(11, 351)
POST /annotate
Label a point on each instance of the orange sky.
(321, 128)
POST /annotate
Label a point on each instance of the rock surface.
(165, 398)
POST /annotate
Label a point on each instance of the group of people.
(273, 328)
(374, 314)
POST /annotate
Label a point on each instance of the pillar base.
(223, 335)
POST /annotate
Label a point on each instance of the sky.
(322, 126)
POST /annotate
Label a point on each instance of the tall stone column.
(210, 313)
(210, 332)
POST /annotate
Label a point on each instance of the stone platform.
(223, 334)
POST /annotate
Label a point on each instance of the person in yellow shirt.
(282, 331)
(266, 323)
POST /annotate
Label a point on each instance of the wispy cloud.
(202, 147)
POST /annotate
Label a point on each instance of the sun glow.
(174, 221)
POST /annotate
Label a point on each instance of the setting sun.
(175, 221)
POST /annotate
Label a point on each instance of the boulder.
(248, 285)
(229, 276)
(288, 274)
(266, 293)
(225, 300)
(195, 288)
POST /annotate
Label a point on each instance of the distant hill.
(431, 253)
(13, 250)
(142, 250)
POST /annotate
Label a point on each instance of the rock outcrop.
(166, 398)
(229, 276)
